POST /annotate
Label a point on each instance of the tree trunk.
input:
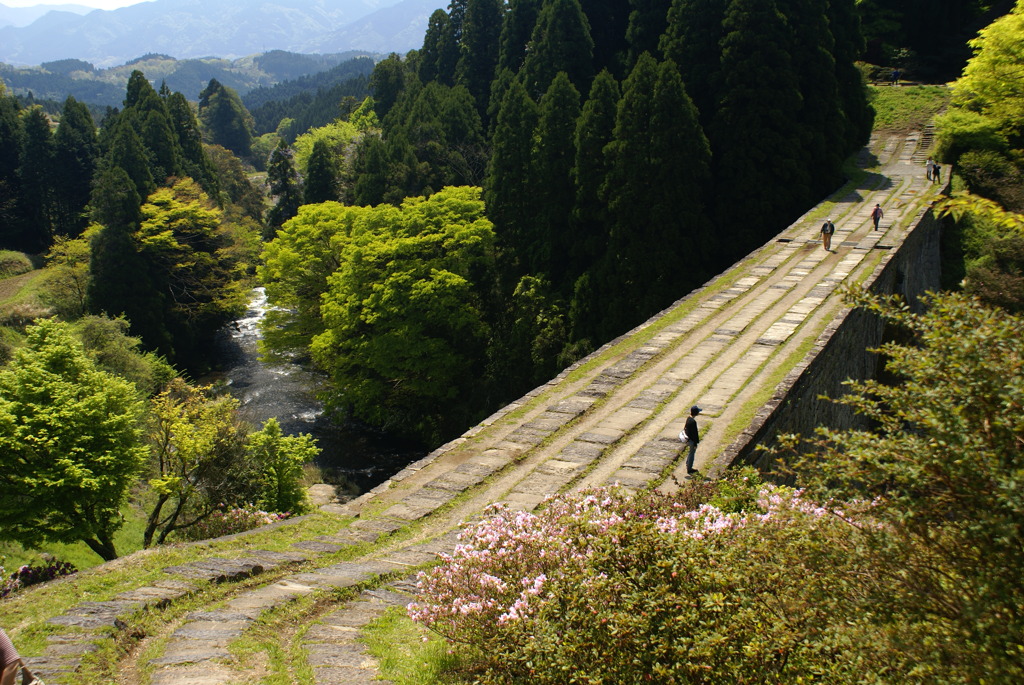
(104, 546)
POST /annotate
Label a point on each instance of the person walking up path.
(827, 229)
(876, 215)
(936, 173)
(929, 167)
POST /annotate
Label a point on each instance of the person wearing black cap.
(691, 437)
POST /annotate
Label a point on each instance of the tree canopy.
(70, 444)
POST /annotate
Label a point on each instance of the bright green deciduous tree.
(297, 263)
(280, 458)
(195, 264)
(67, 279)
(993, 81)
(405, 335)
(198, 460)
(942, 466)
(988, 99)
(70, 444)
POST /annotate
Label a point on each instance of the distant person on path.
(936, 173)
(690, 437)
(929, 169)
(827, 229)
(895, 77)
(876, 215)
(10, 664)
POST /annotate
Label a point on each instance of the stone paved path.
(612, 418)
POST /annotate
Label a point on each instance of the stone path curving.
(612, 418)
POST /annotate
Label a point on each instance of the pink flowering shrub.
(230, 521)
(599, 586)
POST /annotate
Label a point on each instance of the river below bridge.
(288, 392)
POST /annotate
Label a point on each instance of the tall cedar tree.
(75, 156)
(36, 178)
(388, 80)
(424, 130)
(321, 175)
(430, 53)
(844, 22)
(463, 134)
(517, 27)
(594, 130)
(127, 152)
(371, 171)
(692, 40)
(224, 118)
(450, 45)
(660, 167)
(609, 23)
(755, 132)
(481, 32)
(647, 22)
(553, 159)
(284, 186)
(822, 140)
(560, 42)
(159, 140)
(120, 280)
(194, 160)
(11, 224)
(509, 191)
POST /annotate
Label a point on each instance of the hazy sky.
(98, 4)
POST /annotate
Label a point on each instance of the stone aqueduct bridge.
(755, 347)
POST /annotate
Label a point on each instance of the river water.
(288, 392)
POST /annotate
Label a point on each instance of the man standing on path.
(876, 215)
(928, 166)
(690, 436)
(827, 229)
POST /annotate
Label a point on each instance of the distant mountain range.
(221, 28)
(23, 16)
(105, 87)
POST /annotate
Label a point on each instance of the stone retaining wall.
(910, 268)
